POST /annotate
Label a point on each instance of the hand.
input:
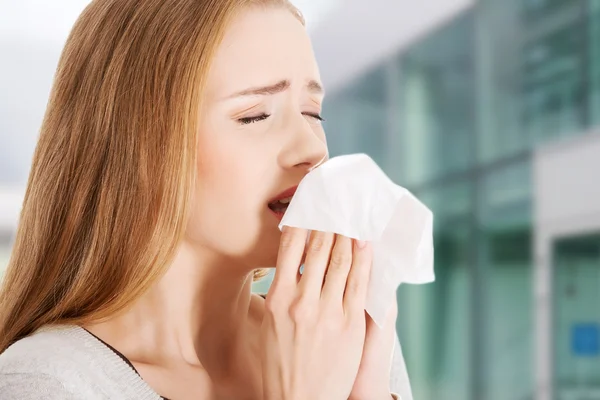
(373, 379)
(313, 331)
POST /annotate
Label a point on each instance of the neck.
(197, 314)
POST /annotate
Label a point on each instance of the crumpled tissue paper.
(350, 195)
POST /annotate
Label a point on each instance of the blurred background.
(487, 110)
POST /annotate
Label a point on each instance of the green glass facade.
(577, 280)
(455, 118)
(594, 54)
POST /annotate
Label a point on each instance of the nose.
(306, 147)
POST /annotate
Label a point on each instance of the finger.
(337, 271)
(355, 296)
(318, 252)
(289, 257)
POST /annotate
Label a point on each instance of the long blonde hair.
(108, 193)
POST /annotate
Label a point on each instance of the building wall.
(567, 221)
(455, 117)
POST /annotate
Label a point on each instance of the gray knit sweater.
(67, 363)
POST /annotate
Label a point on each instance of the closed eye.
(251, 120)
(262, 117)
(315, 116)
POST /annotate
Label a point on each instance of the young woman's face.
(260, 134)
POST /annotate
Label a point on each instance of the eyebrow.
(312, 86)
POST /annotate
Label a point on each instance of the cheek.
(229, 201)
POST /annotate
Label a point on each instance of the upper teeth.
(286, 200)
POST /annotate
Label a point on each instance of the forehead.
(262, 46)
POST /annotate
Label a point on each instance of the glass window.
(435, 323)
(356, 118)
(437, 95)
(594, 56)
(506, 196)
(499, 34)
(434, 327)
(505, 256)
(508, 313)
(449, 201)
(553, 65)
(531, 57)
(577, 317)
(534, 9)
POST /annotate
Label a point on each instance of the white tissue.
(350, 195)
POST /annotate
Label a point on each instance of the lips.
(279, 204)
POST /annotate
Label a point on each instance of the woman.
(174, 129)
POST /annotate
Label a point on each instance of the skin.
(200, 333)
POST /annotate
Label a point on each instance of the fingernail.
(361, 244)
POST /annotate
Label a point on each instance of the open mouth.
(280, 206)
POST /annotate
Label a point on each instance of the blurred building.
(491, 116)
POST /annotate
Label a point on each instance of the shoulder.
(52, 363)
(33, 386)
(44, 351)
